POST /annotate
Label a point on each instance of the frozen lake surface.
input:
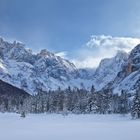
(71, 127)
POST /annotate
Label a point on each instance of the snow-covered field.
(71, 127)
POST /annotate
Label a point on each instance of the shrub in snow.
(23, 114)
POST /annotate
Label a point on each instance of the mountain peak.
(18, 44)
(134, 58)
(1, 40)
(46, 53)
(121, 55)
(136, 50)
(120, 52)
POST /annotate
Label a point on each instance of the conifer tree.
(135, 111)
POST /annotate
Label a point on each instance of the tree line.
(77, 101)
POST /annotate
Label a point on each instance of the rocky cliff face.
(128, 78)
(108, 69)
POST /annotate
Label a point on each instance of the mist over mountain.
(99, 47)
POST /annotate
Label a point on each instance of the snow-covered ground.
(71, 127)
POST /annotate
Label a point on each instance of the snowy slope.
(128, 84)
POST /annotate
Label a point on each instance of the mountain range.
(45, 70)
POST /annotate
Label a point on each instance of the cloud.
(109, 42)
(88, 62)
(62, 54)
(100, 47)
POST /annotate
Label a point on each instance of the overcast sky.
(67, 25)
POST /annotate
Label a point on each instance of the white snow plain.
(71, 127)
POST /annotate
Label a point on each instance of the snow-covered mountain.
(45, 71)
(32, 72)
(108, 69)
(121, 72)
(128, 79)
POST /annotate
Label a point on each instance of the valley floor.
(71, 127)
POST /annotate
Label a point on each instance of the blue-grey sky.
(65, 25)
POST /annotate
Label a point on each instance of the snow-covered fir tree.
(135, 111)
